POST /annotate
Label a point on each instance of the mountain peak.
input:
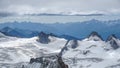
(112, 40)
(44, 38)
(111, 37)
(94, 36)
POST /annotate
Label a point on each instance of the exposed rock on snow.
(46, 61)
(44, 38)
(54, 52)
(113, 41)
(94, 36)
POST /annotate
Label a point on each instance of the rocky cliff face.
(43, 38)
(113, 41)
(55, 52)
(94, 36)
(46, 61)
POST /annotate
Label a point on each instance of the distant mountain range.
(77, 30)
(18, 32)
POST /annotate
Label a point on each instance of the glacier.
(90, 52)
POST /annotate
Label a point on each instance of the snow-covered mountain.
(91, 53)
(84, 53)
(95, 37)
(113, 41)
(18, 51)
(50, 51)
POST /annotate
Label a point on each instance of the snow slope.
(91, 54)
(20, 50)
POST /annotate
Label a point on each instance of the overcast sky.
(54, 6)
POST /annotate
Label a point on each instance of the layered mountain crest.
(94, 36)
(113, 41)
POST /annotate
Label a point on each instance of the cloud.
(114, 11)
(6, 14)
(58, 6)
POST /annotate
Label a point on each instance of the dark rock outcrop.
(48, 61)
(62, 64)
(65, 48)
(111, 37)
(69, 44)
(112, 40)
(44, 38)
(74, 44)
(95, 36)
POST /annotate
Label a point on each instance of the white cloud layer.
(59, 6)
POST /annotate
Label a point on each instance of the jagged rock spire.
(94, 36)
(112, 40)
(43, 38)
